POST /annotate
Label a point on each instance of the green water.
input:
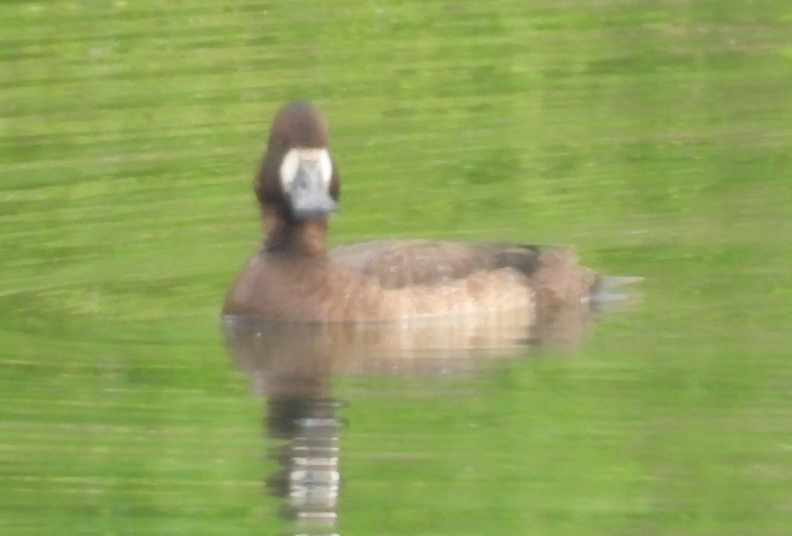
(655, 136)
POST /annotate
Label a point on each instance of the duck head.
(297, 181)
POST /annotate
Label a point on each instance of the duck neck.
(305, 237)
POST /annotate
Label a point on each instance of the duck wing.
(403, 263)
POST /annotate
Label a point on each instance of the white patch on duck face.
(308, 157)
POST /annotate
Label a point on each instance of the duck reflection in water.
(292, 365)
(297, 313)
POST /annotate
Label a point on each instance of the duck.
(294, 277)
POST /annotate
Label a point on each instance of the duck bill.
(309, 195)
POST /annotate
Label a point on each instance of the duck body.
(292, 277)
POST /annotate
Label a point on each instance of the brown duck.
(293, 277)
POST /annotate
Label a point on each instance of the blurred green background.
(655, 136)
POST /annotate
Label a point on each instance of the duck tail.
(603, 291)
